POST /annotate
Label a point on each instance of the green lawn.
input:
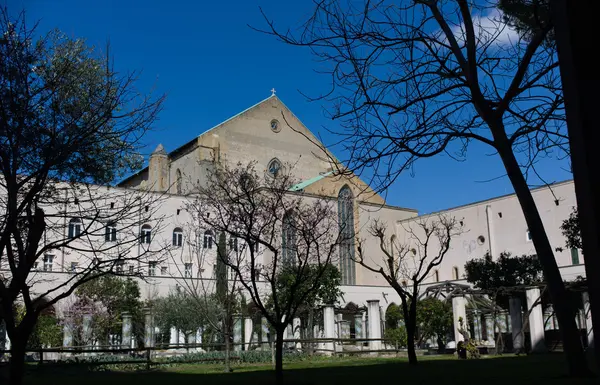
(506, 370)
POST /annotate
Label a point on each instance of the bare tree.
(289, 240)
(416, 79)
(218, 296)
(408, 263)
(67, 121)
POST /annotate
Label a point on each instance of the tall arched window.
(177, 237)
(455, 273)
(346, 222)
(288, 239)
(179, 181)
(74, 227)
(208, 239)
(146, 234)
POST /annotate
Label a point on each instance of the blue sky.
(212, 65)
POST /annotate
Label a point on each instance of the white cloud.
(489, 27)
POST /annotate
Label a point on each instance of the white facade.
(498, 225)
(494, 225)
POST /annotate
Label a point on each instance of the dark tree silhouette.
(406, 264)
(416, 79)
(66, 120)
(251, 208)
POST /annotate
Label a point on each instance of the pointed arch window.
(178, 181)
(288, 239)
(347, 235)
(274, 167)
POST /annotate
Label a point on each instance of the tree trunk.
(227, 346)
(565, 313)
(441, 345)
(580, 86)
(17, 360)
(310, 329)
(410, 333)
(279, 356)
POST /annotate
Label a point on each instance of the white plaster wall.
(374, 257)
(509, 231)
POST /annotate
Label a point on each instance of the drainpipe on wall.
(490, 228)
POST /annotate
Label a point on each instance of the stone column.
(364, 326)
(264, 335)
(516, 323)
(180, 337)
(489, 329)
(126, 330)
(548, 319)
(199, 338)
(86, 332)
(237, 333)
(536, 320)
(329, 328)
(148, 329)
(247, 332)
(459, 312)
(374, 324)
(477, 326)
(296, 325)
(173, 340)
(587, 316)
(67, 337)
(358, 327)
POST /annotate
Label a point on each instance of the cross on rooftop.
(272, 91)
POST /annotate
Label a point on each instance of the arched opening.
(178, 181)
(74, 228)
(346, 223)
(208, 239)
(455, 273)
(288, 239)
(146, 234)
(177, 237)
(274, 167)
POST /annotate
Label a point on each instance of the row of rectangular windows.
(146, 235)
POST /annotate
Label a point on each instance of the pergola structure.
(488, 317)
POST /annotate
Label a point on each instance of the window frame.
(177, 237)
(46, 264)
(110, 233)
(74, 228)
(146, 234)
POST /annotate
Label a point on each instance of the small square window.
(164, 270)
(528, 236)
(74, 267)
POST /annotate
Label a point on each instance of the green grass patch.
(547, 369)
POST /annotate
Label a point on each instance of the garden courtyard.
(546, 369)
